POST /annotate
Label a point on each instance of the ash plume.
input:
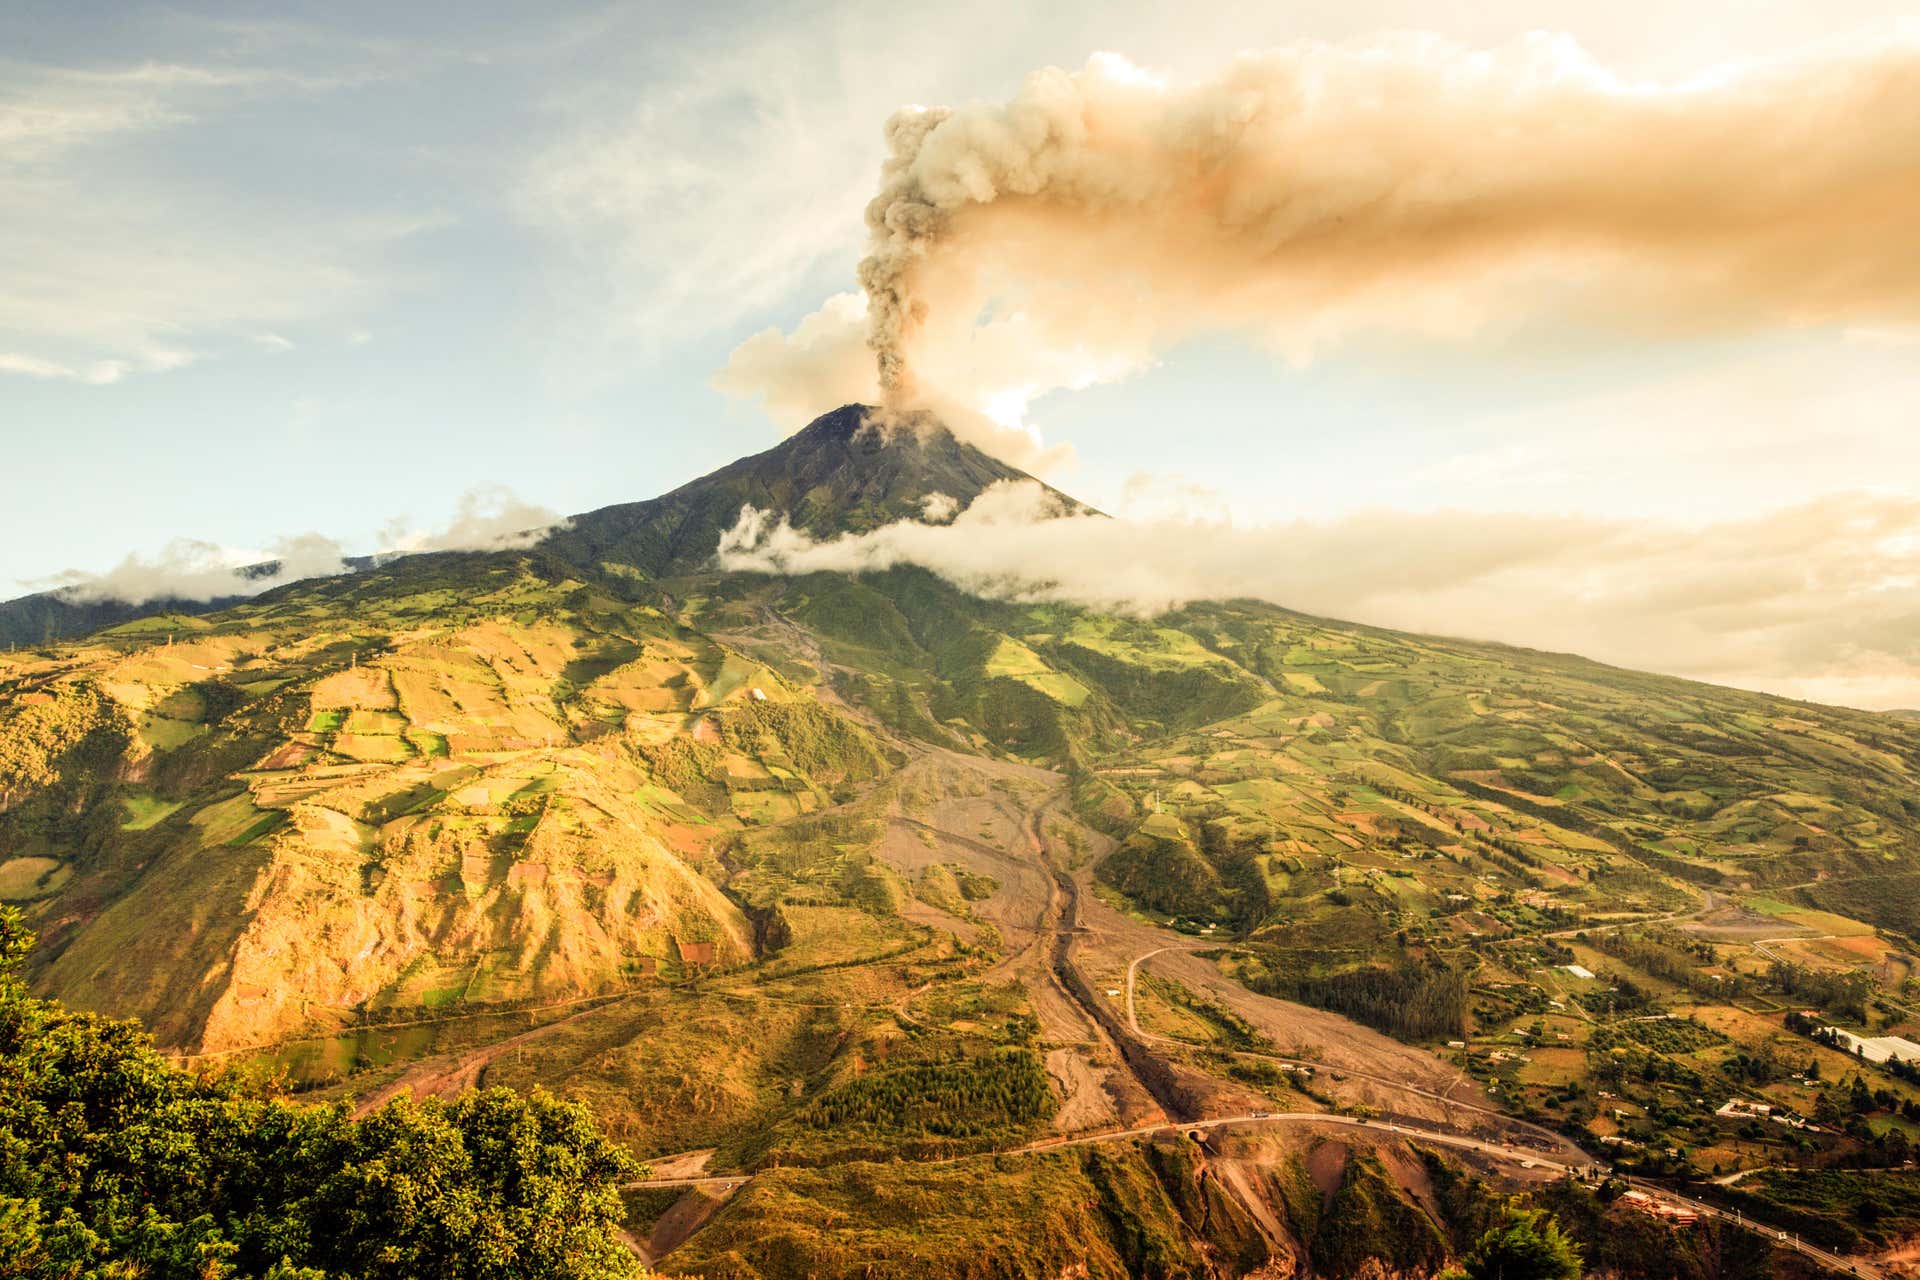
(1306, 193)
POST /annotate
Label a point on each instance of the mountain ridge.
(846, 471)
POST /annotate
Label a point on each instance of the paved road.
(1844, 1265)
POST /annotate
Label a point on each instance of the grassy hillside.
(824, 881)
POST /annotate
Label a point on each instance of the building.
(1740, 1109)
(1579, 971)
(1877, 1049)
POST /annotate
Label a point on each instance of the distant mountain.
(66, 612)
(49, 616)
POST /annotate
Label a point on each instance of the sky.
(386, 273)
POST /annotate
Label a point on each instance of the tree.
(115, 1163)
(1525, 1244)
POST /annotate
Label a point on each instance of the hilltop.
(804, 882)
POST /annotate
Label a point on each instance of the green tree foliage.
(1165, 874)
(1416, 999)
(59, 752)
(1665, 954)
(1526, 1244)
(1369, 1217)
(820, 743)
(115, 1164)
(1001, 1091)
(1845, 993)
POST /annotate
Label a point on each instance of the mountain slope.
(808, 874)
(45, 617)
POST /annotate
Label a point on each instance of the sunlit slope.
(267, 820)
(1600, 789)
(470, 782)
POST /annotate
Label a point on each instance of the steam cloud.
(1830, 587)
(1066, 235)
(488, 519)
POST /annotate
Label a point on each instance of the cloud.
(98, 373)
(1314, 192)
(705, 187)
(824, 363)
(189, 569)
(47, 111)
(487, 519)
(1820, 599)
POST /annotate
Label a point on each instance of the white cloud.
(985, 383)
(99, 373)
(1822, 598)
(487, 519)
(189, 569)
